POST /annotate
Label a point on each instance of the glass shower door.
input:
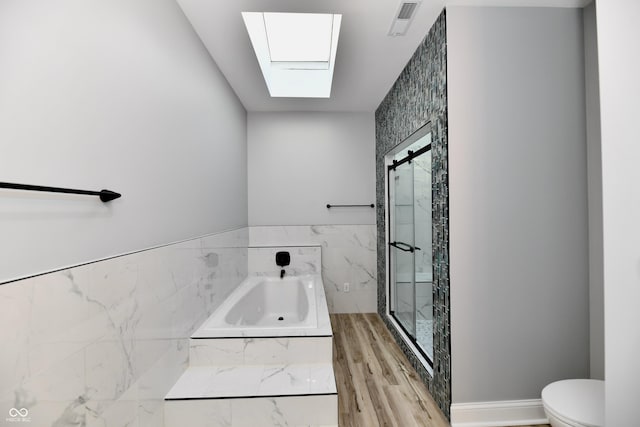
(423, 254)
(410, 242)
(401, 246)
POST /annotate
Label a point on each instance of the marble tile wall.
(260, 351)
(102, 343)
(348, 256)
(303, 260)
(419, 97)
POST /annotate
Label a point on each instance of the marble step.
(260, 351)
(254, 395)
(216, 382)
(291, 411)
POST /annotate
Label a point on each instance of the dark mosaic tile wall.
(418, 97)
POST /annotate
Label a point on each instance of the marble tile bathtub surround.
(101, 344)
(293, 411)
(348, 256)
(254, 380)
(303, 260)
(260, 351)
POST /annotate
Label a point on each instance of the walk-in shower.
(409, 240)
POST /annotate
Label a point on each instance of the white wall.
(299, 162)
(119, 95)
(594, 176)
(518, 201)
(619, 67)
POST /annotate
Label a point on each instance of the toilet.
(574, 403)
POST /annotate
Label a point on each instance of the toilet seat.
(576, 402)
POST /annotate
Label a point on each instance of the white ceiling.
(367, 63)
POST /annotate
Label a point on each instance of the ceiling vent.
(403, 18)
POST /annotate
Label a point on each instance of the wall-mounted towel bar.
(105, 195)
(350, 206)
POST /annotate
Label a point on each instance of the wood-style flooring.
(377, 386)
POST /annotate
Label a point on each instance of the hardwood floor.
(376, 384)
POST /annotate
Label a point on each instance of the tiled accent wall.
(102, 343)
(418, 97)
(348, 256)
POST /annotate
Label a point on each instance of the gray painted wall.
(119, 95)
(518, 201)
(299, 162)
(594, 172)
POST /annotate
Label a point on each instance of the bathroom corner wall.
(120, 95)
(102, 343)
(418, 97)
(518, 201)
(299, 162)
(619, 68)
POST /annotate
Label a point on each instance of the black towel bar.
(105, 195)
(350, 206)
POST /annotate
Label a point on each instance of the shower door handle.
(405, 247)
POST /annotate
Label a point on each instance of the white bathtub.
(266, 306)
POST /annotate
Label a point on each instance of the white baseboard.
(497, 414)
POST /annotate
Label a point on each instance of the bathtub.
(267, 306)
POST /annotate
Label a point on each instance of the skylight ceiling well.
(296, 51)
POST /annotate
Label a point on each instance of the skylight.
(296, 51)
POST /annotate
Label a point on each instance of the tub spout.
(282, 273)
